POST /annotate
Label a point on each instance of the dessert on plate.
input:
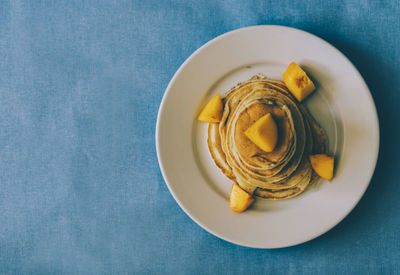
(264, 139)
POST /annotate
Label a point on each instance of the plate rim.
(222, 36)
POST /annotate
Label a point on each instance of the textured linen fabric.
(80, 187)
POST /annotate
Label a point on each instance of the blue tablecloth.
(80, 187)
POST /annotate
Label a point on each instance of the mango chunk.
(264, 133)
(297, 81)
(239, 199)
(212, 112)
(323, 165)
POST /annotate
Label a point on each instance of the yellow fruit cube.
(323, 165)
(212, 112)
(297, 81)
(239, 199)
(264, 133)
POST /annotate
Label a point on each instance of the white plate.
(342, 104)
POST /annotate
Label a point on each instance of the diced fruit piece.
(297, 81)
(239, 199)
(264, 133)
(212, 112)
(323, 165)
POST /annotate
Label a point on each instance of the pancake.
(282, 173)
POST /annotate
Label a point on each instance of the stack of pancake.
(282, 173)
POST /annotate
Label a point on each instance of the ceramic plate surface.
(342, 104)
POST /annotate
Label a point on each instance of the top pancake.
(250, 152)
